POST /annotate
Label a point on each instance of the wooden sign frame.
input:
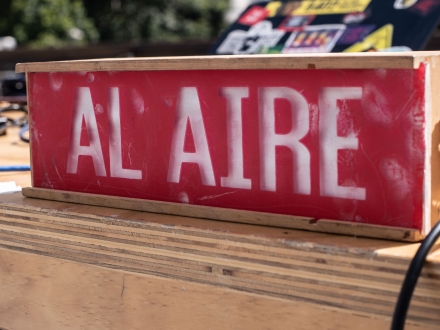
(429, 61)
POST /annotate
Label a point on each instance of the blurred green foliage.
(42, 23)
(157, 20)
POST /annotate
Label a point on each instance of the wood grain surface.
(13, 151)
(224, 214)
(409, 60)
(53, 294)
(434, 154)
(70, 264)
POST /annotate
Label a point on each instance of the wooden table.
(85, 267)
(13, 151)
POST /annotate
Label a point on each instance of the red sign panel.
(336, 144)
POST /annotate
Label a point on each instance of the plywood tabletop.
(346, 281)
(13, 151)
(405, 60)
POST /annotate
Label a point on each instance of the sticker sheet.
(318, 26)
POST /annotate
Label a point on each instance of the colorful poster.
(253, 15)
(403, 4)
(355, 34)
(293, 23)
(303, 26)
(316, 7)
(379, 40)
(249, 42)
(425, 7)
(314, 39)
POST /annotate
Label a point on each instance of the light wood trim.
(31, 124)
(85, 265)
(230, 215)
(409, 60)
(185, 210)
(433, 124)
(53, 294)
(367, 230)
(14, 152)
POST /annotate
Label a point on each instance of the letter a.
(188, 110)
(83, 108)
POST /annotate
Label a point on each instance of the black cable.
(413, 274)
(22, 133)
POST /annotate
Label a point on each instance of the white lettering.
(235, 178)
(269, 139)
(83, 108)
(330, 142)
(188, 110)
(115, 145)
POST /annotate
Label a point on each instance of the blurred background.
(50, 30)
(54, 30)
(57, 30)
(47, 30)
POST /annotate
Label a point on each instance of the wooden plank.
(92, 263)
(223, 214)
(55, 294)
(185, 210)
(14, 152)
(30, 123)
(410, 60)
(368, 230)
(433, 104)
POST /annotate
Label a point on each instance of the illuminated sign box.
(338, 143)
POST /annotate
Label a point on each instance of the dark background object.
(3, 122)
(8, 59)
(14, 87)
(412, 26)
(411, 278)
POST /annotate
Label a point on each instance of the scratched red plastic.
(335, 144)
